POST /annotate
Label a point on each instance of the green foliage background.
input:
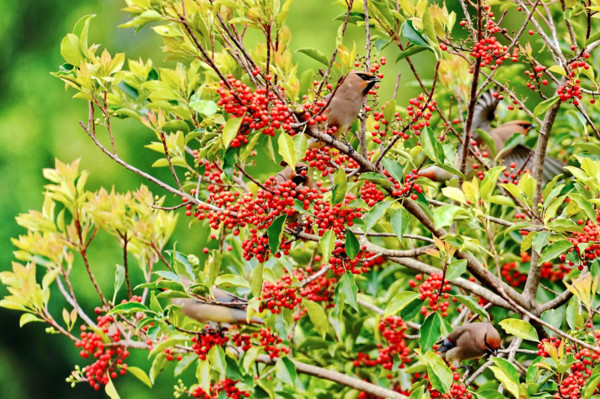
(39, 122)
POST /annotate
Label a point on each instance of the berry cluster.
(332, 217)
(108, 357)
(282, 294)
(457, 391)
(328, 160)
(534, 77)
(402, 190)
(267, 339)
(260, 109)
(589, 235)
(370, 193)
(420, 112)
(571, 91)
(575, 378)
(339, 262)
(430, 288)
(226, 386)
(206, 339)
(393, 329)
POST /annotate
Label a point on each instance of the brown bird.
(345, 102)
(300, 175)
(470, 341)
(226, 308)
(519, 158)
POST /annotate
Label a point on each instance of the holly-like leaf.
(352, 245)
(520, 329)
(314, 54)
(399, 302)
(230, 130)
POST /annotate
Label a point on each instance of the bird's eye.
(363, 76)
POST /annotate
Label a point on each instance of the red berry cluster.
(534, 77)
(571, 91)
(393, 329)
(571, 382)
(589, 235)
(339, 262)
(430, 288)
(382, 126)
(267, 339)
(512, 174)
(457, 391)
(206, 339)
(226, 386)
(402, 190)
(370, 193)
(108, 357)
(325, 159)
(420, 112)
(511, 275)
(332, 217)
(282, 293)
(260, 109)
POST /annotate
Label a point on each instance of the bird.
(518, 158)
(300, 176)
(225, 309)
(344, 104)
(470, 341)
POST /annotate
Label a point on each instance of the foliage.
(343, 264)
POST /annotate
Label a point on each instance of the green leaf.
(28, 318)
(348, 290)
(204, 107)
(432, 147)
(375, 214)
(341, 185)
(540, 239)
(301, 145)
(593, 37)
(574, 318)
(489, 182)
(389, 113)
(473, 306)
(230, 130)
(159, 365)
(440, 375)
(399, 302)
(489, 394)
(430, 332)
(507, 374)
(140, 375)
(592, 384)
(327, 244)
(454, 194)
(275, 232)
(70, 50)
(399, 222)
(488, 140)
(129, 307)
(352, 244)
(555, 249)
(410, 51)
(445, 215)
(256, 280)
(520, 329)
(456, 269)
(314, 54)
(544, 106)
(413, 35)
(317, 317)
(287, 149)
(394, 169)
(111, 391)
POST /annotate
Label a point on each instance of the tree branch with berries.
(344, 230)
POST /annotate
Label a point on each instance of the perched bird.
(225, 309)
(345, 103)
(470, 341)
(301, 177)
(518, 158)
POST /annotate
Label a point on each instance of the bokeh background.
(39, 122)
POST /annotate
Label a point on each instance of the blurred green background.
(39, 122)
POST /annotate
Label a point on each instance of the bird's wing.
(485, 108)
(523, 158)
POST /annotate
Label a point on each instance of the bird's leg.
(468, 370)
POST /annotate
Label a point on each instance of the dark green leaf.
(341, 185)
(430, 332)
(314, 54)
(275, 232)
(394, 169)
(399, 222)
(348, 290)
(375, 214)
(413, 35)
(456, 269)
(555, 249)
(352, 244)
(473, 306)
(399, 302)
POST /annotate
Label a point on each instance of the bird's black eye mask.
(488, 349)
